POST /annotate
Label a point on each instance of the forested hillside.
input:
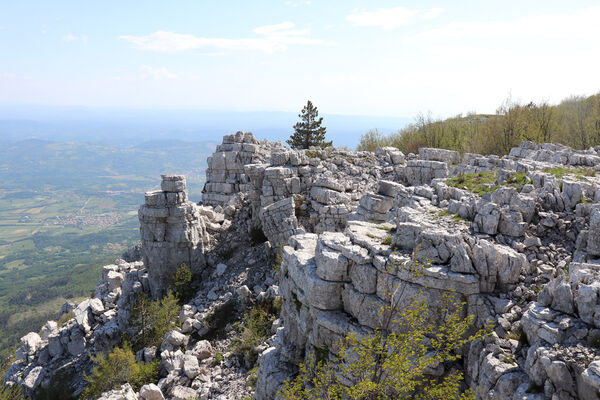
(575, 122)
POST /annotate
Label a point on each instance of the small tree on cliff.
(308, 132)
(393, 361)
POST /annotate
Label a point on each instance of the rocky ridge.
(524, 256)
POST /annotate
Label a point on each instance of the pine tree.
(308, 132)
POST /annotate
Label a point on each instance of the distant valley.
(66, 209)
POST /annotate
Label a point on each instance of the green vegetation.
(217, 359)
(65, 318)
(152, 319)
(309, 131)
(517, 180)
(116, 368)
(574, 122)
(182, 283)
(252, 377)
(509, 359)
(486, 182)
(254, 330)
(478, 183)
(392, 365)
(12, 392)
(391, 362)
(577, 172)
(387, 240)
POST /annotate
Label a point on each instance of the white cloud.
(582, 25)
(432, 13)
(7, 75)
(156, 73)
(271, 39)
(390, 18)
(73, 38)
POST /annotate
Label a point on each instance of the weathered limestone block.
(447, 156)
(173, 183)
(511, 223)
(332, 265)
(388, 188)
(558, 295)
(364, 278)
(593, 241)
(279, 221)
(440, 277)
(440, 247)
(377, 203)
(321, 294)
(173, 233)
(328, 196)
(418, 172)
(369, 236)
(538, 323)
(487, 217)
(33, 378)
(496, 264)
(391, 155)
(364, 307)
(339, 241)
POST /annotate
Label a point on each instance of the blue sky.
(394, 58)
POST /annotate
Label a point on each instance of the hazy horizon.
(131, 126)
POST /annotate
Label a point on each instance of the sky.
(382, 58)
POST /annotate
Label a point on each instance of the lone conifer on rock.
(308, 132)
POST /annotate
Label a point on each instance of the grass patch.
(517, 180)
(442, 213)
(509, 359)
(387, 228)
(457, 218)
(479, 183)
(217, 359)
(65, 318)
(387, 240)
(578, 172)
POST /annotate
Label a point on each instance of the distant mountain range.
(127, 127)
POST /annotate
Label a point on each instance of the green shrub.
(254, 330)
(391, 363)
(152, 319)
(182, 283)
(217, 359)
(116, 368)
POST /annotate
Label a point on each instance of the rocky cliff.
(517, 238)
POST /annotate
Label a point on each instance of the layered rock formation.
(173, 232)
(524, 255)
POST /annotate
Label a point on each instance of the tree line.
(575, 122)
